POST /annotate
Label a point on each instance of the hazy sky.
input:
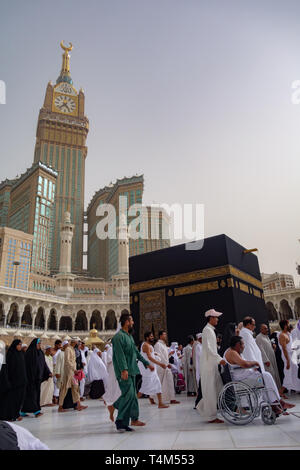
(195, 94)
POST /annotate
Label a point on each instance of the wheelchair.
(239, 403)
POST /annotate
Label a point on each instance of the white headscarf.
(97, 369)
(173, 349)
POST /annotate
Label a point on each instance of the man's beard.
(131, 331)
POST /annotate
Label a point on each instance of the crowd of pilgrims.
(69, 373)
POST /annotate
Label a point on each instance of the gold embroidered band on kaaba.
(201, 275)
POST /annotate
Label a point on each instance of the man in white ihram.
(151, 385)
(251, 350)
(211, 382)
(165, 375)
(112, 389)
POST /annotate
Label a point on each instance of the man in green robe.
(125, 356)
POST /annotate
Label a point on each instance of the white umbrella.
(44, 336)
(67, 338)
(3, 333)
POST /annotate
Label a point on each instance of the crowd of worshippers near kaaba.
(68, 374)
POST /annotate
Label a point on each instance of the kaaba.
(171, 289)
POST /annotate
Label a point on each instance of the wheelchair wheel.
(238, 403)
(267, 415)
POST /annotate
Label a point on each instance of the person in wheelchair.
(250, 373)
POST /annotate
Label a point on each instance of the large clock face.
(64, 104)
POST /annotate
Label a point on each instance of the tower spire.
(65, 69)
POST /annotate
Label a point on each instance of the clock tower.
(61, 143)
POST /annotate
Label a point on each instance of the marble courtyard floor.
(178, 427)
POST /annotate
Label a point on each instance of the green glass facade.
(43, 226)
(69, 197)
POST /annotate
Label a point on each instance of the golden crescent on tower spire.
(65, 69)
(65, 48)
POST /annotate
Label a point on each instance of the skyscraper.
(15, 256)
(103, 254)
(29, 208)
(60, 143)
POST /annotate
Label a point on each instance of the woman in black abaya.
(37, 372)
(13, 382)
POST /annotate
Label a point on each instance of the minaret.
(121, 280)
(66, 237)
(64, 279)
(123, 246)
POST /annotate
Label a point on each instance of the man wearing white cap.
(56, 353)
(211, 383)
(69, 380)
(60, 364)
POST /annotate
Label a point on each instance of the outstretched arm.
(147, 350)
